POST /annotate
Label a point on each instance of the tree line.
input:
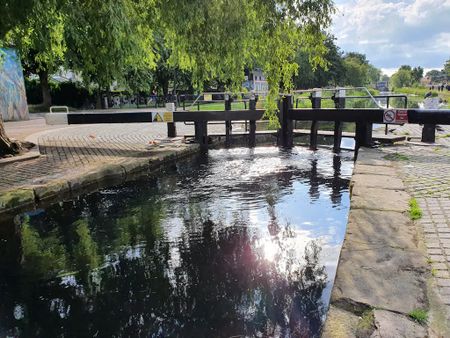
(406, 76)
(124, 41)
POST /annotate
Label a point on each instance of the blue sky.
(393, 33)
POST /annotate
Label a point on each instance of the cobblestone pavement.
(426, 173)
(79, 147)
(415, 131)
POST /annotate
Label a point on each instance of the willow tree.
(103, 40)
(109, 39)
(218, 39)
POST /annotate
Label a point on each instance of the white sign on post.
(431, 103)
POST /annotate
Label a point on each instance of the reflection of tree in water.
(221, 286)
(231, 289)
(213, 281)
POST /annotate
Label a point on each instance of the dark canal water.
(233, 243)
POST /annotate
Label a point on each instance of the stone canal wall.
(383, 283)
(83, 179)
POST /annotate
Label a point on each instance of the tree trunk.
(7, 147)
(98, 101)
(45, 87)
(165, 87)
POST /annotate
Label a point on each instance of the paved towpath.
(426, 173)
(70, 149)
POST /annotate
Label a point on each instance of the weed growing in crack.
(396, 157)
(419, 315)
(415, 212)
(366, 325)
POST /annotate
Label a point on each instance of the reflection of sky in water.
(237, 184)
(287, 200)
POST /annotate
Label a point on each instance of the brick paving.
(415, 131)
(426, 173)
(81, 147)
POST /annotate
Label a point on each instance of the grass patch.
(415, 212)
(396, 157)
(419, 315)
(365, 326)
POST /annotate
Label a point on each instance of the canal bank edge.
(382, 277)
(103, 174)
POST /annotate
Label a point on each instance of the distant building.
(382, 86)
(425, 81)
(255, 80)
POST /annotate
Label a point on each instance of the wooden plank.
(422, 116)
(333, 114)
(305, 132)
(232, 115)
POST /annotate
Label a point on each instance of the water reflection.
(237, 243)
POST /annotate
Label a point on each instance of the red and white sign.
(395, 116)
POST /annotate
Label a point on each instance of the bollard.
(429, 133)
(228, 126)
(363, 135)
(316, 102)
(201, 133)
(252, 132)
(286, 133)
(171, 127)
(339, 102)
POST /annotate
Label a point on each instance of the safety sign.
(395, 116)
(166, 116)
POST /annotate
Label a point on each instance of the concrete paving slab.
(379, 199)
(384, 277)
(393, 325)
(370, 229)
(376, 181)
(373, 157)
(375, 170)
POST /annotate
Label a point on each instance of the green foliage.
(85, 250)
(109, 41)
(358, 71)
(65, 93)
(42, 257)
(396, 157)
(402, 78)
(437, 75)
(417, 74)
(330, 74)
(13, 12)
(415, 212)
(419, 315)
(40, 37)
(215, 39)
(447, 68)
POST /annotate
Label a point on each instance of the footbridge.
(364, 118)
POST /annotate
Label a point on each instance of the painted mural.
(13, 99)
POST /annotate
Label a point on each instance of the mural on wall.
(13, 99)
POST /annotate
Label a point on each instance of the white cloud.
(392, 33)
